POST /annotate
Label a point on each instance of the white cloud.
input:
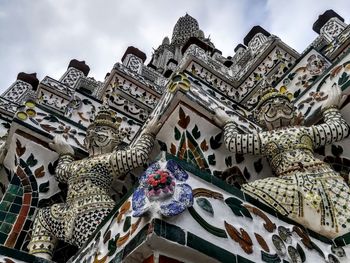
(292, 21)
(44, 35)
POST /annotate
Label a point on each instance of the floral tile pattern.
(162, 189)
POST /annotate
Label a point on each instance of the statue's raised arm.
(66, 158)
(242, 143)
(123, 161)
(335, 128)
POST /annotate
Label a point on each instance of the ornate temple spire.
(185, 28)
(168, 52)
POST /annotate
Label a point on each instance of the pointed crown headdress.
(104, 117)
(267, 92)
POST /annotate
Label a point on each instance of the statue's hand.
(61, 146)
(334, 97)
(153, 126)
(220, 117)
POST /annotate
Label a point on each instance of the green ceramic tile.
(12, 189)
(10, 218)
(18, 200)
(5, 228)
(136, 241)
(169, 231)
(270, 258)
(219, 232)
(20, 191)
(3, 238)
(15, 208)
(4, 206)
(346, 238)
(118, 258)
(339, 241)
(241, 259)
(2, 216)
(320, 237)
(210, 249)
(9, 197)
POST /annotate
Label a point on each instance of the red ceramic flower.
(160, 182)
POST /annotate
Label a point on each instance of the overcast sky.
(42, 36)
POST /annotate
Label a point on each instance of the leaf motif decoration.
(47, 127)
(211, 159)
(196, 132)
(208, 227)
(291, 75)
(173, 149)
(81, 115)
(39, 172)
(239, 158)
(337, 150)
(207, 193)
(301, 253)
(20, 173)
(343, 79)
(228, 161)
(125, 207)
(112, 245)
(86, 102)
(135, 225)
(215, 141)
(177, 134)
(268, 225)
(31, 161)
(204, 146)
(237, 208)
(19, 149)
(304, 236)
(44, 187)
(258, 165)
(51, 118)
(297, 93)
(184, 119)
(246, 173)
(6, 125)
(242, 237)
(52, 167)
(205, 205)
(102, 260)
(262, 242)
(127, 223)
(106, 236)
(121, 240)
(162, 146)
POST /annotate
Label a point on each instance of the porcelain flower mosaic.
(162, 188)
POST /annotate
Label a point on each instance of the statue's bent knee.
(43, 241)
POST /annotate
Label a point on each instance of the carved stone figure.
(89, 181)
(305, 188)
